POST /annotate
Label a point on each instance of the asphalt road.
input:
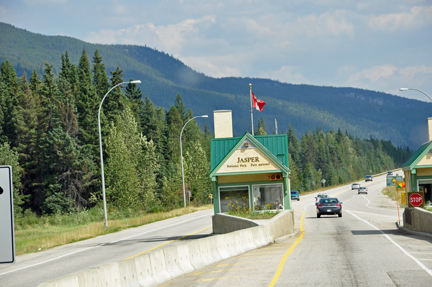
(362, 248)
(33, 269)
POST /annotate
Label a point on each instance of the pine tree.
(100, 79)
(9, 102)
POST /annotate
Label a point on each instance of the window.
(236, 197)
(268, 197)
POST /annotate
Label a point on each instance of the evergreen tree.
(9, 102)
(100, 79)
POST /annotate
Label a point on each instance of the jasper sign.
(245, 160)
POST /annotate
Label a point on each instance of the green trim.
(258, 145)
(423, 166)
(418, 155)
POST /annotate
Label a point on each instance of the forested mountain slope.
(362, 113)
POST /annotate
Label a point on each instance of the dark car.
(328, 206)
(368, 178)
(295, 194)
(389, 173)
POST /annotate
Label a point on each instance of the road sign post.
(7, 235)
(415, 199)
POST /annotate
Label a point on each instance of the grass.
(391, 192)
(33, 234)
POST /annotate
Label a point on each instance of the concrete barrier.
(162, 265)
(128, 274)
(145, 271)
(418, 219)
(110, 275)
(157, 262)
(195, 255)
(90, 278)
(184, 258)
(172, 262)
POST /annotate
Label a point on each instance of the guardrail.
(160, 266)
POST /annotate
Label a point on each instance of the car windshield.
(294, 192)
(322, 195)
(329, 200)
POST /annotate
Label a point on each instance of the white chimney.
(223, 124)
(430, 128)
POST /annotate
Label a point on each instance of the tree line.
(49, 135)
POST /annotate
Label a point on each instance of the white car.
(363, 189)
(319, 196)
(355, 186)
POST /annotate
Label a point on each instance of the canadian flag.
(257, 104)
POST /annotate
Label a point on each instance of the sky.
(379, 45)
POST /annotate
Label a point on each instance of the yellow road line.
(281, 264)
(166, 243)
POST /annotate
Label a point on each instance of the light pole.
(407, 89)
(181, 155)
(100, 147)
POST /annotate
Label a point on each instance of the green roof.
(277, 145)
(417, 156)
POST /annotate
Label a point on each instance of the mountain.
(363, 113)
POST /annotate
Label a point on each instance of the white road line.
(49, 260)
(397, 245)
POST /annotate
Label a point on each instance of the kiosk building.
(248, 172)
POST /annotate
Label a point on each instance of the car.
(329, 206)
(319, 196)
(295, 194)
(355, 186)
(363, 189)
(389, 173)
(368, 178)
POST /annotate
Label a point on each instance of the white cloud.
(2, 11)
(288, 74)
(418, 17)
(169, 38)
(206, 65)
(388, 78)
(334, 24)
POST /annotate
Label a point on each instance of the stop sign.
(415, 199)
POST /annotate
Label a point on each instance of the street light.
(100, 147)
(406, 89)
(181, 155)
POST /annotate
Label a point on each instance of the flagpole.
(250, 98)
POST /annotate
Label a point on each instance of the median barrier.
(162, 265)
(157, 262)
(110, 275)
(145, 272)
(223, 246)
(65, 281)
(214, 249)
(259, 236)
(184, 258)
(90, 278)
(195, 255)
(172, 262)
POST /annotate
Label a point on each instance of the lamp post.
(407, 89)
(181, 155)
(100, 148)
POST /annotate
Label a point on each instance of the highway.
(33, 269)
(362, 248)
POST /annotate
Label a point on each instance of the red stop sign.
(416, 199)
